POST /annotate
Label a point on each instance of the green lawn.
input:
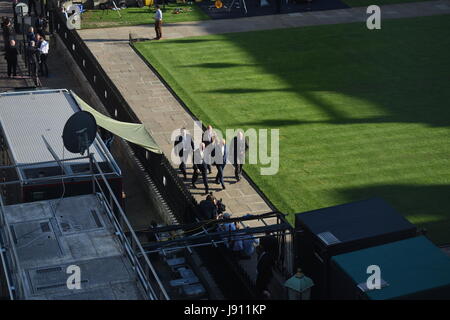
(366, 3)
(361, 113)
(137, 16)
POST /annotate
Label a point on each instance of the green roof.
(409, 266)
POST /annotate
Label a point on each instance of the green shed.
(409, 269)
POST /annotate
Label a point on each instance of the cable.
(62, 181)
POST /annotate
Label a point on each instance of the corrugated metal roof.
(25, 116)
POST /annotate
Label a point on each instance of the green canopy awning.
(132, 132)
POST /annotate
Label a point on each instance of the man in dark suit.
(208, 138)
(11, 58)
(278, 4)
(220, 155)
(41, 25)
(200, 167)
(183, 145)
(32, 55)
(267, 253)
(239, 147)
(8, 31)
(208, 207)
(32, 5)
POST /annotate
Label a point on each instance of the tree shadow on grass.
(425, 205)
(184, 41)
(245, 90)
(277, 123)
(217, 65)
(402, 73)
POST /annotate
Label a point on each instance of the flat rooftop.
(26, 116)
(50, 235)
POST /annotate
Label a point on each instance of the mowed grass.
(361, 113)
(138, 16)
(366, 3)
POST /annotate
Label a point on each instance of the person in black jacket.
(278, 4)
(32, 5)
(200, 167)
(267, 253)
(220, 152)
(31, 36)
(208, 207)
(184, 145)
(7, 30)
(239, 147)
(11, 58)
(41, 25)
(208, 137)
(33, 62)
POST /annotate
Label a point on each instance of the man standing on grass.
(158, 22)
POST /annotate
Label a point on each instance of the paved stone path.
(162, 113)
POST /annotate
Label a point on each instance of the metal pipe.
(133, 235)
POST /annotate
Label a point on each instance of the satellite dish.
(21, 9)
(79, 132)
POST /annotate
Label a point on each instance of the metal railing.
(145, 272)
(10, 266)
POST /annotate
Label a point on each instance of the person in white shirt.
(43, 53)
(158, 22)
(208, 135)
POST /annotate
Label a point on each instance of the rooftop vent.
(328, 238)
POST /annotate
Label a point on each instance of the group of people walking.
(212, 151)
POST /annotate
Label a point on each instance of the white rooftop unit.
(25, 117)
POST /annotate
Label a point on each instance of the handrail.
(4, 259)
(130, 228)
(17, 289)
